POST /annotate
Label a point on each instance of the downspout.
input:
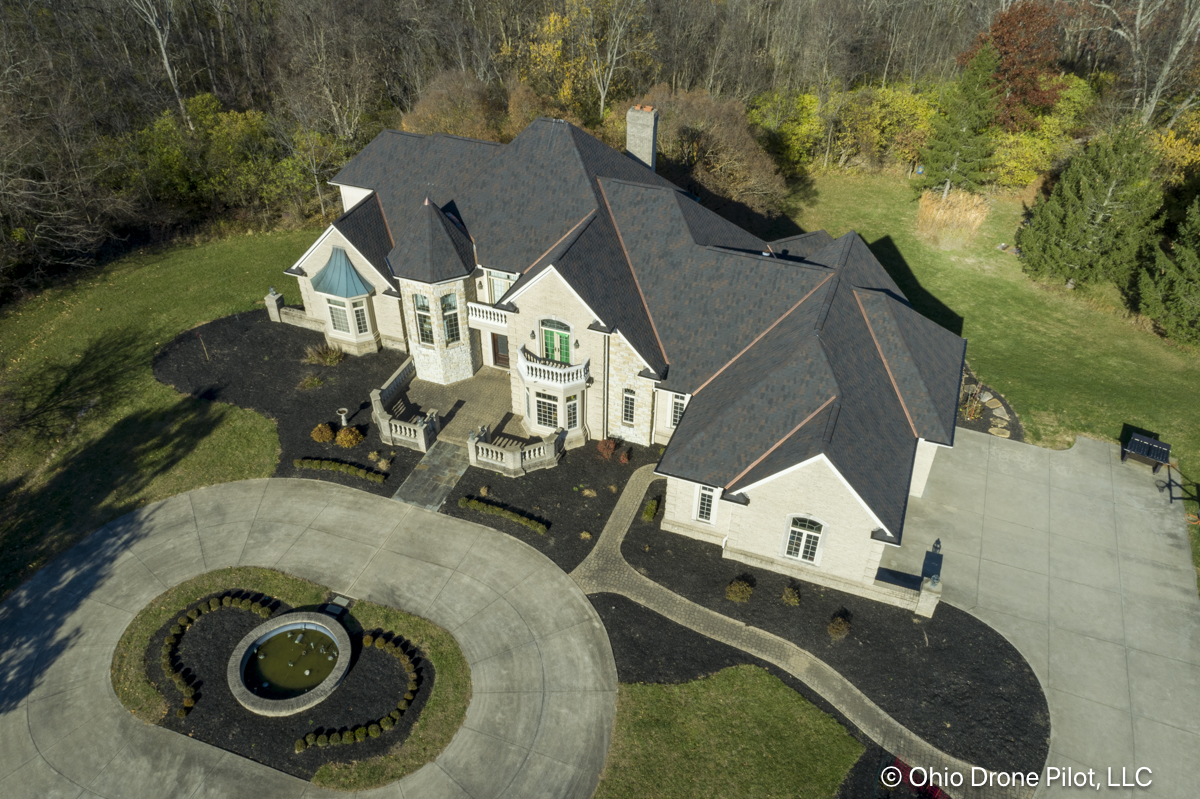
(604, 416)
(653, 411)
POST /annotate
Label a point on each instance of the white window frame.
(678, 406)
(549, 401)
(450, 322)
(496, 291)
(571, 402)
(338, 315)
(560, 329)
(710, 493)
(821, 535)
(362, 320)
(418, 299)
(628, 407)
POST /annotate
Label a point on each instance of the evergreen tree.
(1170, 290)
(960, 147)
(1102, 218)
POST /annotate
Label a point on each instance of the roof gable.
(339, 278)
(367, 231)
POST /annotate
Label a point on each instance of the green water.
(290, 663)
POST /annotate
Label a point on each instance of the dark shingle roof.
(806, 351)
(431, 248)
(365, 228)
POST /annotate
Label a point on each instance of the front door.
(500, 350)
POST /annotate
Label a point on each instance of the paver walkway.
(543, 677)
(432, 480)
(606, 571)
(1085, 566)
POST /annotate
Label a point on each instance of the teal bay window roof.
(339, 278)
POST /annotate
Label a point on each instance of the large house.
(799, 396)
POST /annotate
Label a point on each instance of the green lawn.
(88, 346)
(1069, 362)
(738, 733)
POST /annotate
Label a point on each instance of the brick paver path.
(605, 571)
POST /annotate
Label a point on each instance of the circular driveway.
(543, 678)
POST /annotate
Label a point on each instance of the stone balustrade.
(418, 434)
(514, 459)
(543, 370)
(480, 314)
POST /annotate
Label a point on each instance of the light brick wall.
(384, 322)
(440, 362)
(623, 368)
(760, 529)
(664, 404)
(926, 451)
(550, 298)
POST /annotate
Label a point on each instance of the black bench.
(1146, 448)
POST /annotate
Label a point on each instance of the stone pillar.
(274, 303)
(931, 594)
(641, 134)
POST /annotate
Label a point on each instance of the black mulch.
(370, 690)
(951, 679)
(984, 419)
(651, 649)
(558, 497)
(249, 361)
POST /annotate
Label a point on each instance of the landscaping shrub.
(322, 740)
(176, 629)
(227, 600)
(214, 603)
(310, 381)
(334, 466)
(368, 640)
(360, 734)
(189, 702)
(607, 447)
(322, 433)
(379, 643)
(310, 739)
(839, 628)
(170, 639)
(347, 738)
(504, 513)
(624, 456)
(402, 705)
(386, 723)
(264, 611)
(335, 739)
(255, 607)
(394, 716)
(193, 614)
(374, 730)
(739, 591)
(183, 621)
(650, 510)
(791, 597)
(349, 437)
(323, 355)
(300, 745)
(189, 691)
(408, 697)
(181, 713)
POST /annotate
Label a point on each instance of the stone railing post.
(381, 417)
(931, 594)
(274, 303)
(472, 454)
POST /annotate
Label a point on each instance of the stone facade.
(315, 306)
(442, 362)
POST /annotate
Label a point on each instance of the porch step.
(505, 441)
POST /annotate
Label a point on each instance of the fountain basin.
(293, 691)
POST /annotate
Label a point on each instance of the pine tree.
(1101, 220)
(960, 148)
(1170, 290)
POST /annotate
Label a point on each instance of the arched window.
(556, 341)
(804, 539)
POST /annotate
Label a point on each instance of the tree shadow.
(50, 522)
(767, 226)
(922, 301)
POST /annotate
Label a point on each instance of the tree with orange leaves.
(1026, 39)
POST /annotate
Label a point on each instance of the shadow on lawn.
(98, 482)
(926, 304)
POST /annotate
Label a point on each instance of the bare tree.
(159, 16)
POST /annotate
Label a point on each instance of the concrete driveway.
(1083, 563)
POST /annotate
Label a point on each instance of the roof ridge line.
(561, 239)
(633, 272)
(777, 444)
(760, 335)
(886, 365)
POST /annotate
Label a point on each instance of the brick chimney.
(641, 134)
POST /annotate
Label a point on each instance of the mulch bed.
(370, 690)
(984, 419)
(951, 679)
(557, 497)
(249, 361)
(649, 648)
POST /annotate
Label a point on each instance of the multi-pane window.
(500, 283)
(449, 304)
(628, 405)
(677, 405)
(556, 341)
(424, 321)
(337, 315)
(572, 411)
(547, 409)
(360, 317)
(704, 503)
(804, 538)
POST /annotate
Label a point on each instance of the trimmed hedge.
(335, 466)
(504, 513)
